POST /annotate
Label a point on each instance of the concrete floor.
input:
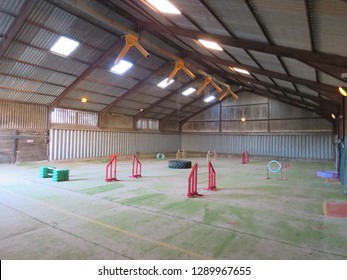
(249, 217)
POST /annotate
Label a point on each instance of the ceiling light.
(64, 46)
(84, 100)
(121, 67)
(164, 83)
(342, 91)
(210, 45)
(188, 91)
(209, 98)
(240, 70)
(243, 119)
(333, 116)
(164, 6)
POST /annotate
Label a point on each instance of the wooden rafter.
(304, 55)
(273, 74)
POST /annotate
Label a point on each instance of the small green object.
(46, 171)
(60, 175)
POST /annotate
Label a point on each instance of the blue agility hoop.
(279, 167)
(160, 156)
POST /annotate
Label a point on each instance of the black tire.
(180, 164)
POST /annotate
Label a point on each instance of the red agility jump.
(212, 176)
(193, 180)
(111, 169)
(137, 168)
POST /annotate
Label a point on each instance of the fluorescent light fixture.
(210, 45)
(164, 6)
(342, 91)
(243, 71)
(164, 83)
(243, 119)
(121, 67)
(333, 116)
(84, 100)
(64, 46)
(209, 98)
(188, 91)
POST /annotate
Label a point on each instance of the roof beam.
(20, 20)
(304, 55)
(111, 51)
(223, 74)
(252, 69)
(335, 97)
(134, 88)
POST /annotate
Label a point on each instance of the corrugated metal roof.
(41, 99)
(307, 90)
(238, 18)
(201, 16)
(78, 94)
(268, 61)
(112, 91)
(300, 69)
(56, 19)
(81, 106)
(50, 89)
(6, 22)
(286, 22)
(330, 30)
(284, 84)
(262, 78)
(140, 97)
(61, 79)
(32, 68)
(12, 7)
(131, 104)
(51, 17)
(124, 111)
(328, 79)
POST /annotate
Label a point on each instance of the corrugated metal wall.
(302, 146)
(16, 116)
(78, 144)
